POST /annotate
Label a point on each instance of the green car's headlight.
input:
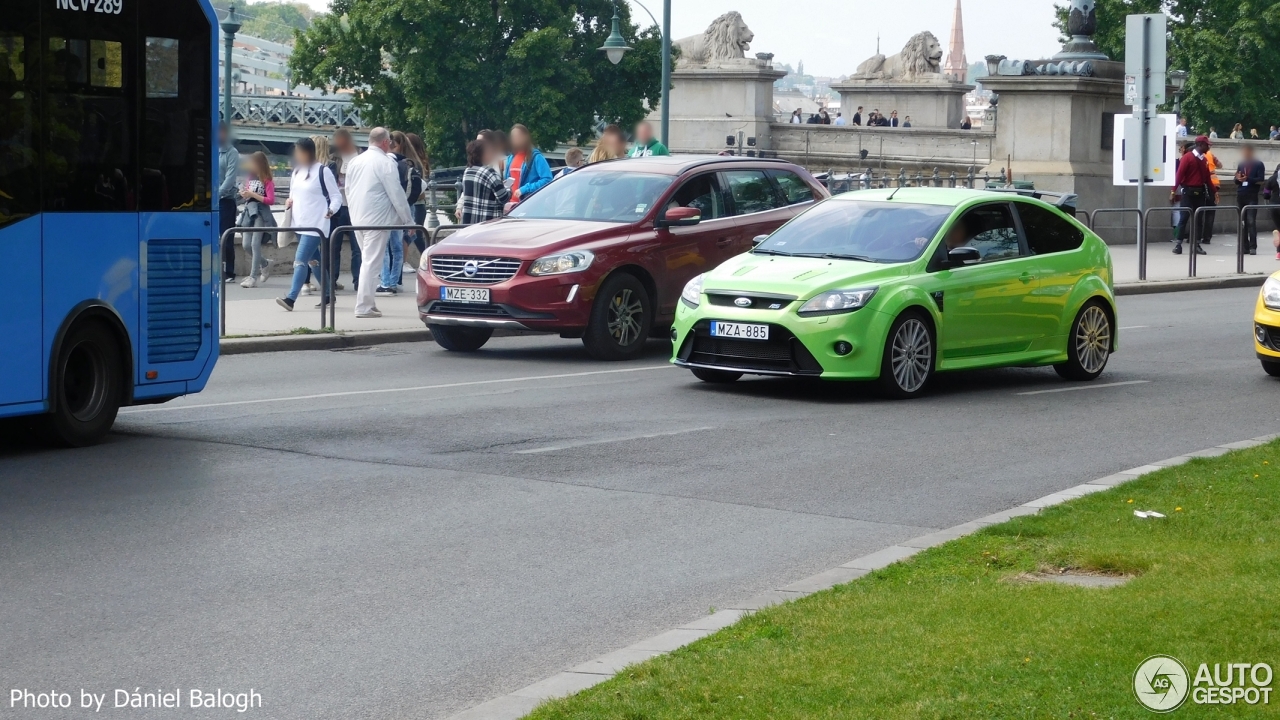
(692, 293)
(835, 302)
(1271, 293)
(575, 261)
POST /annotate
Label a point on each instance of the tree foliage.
(1231, 48)
(274, 21)
(453, 67)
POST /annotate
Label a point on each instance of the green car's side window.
(1046, 231)
(990, 229)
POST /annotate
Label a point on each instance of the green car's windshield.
(600, 196)
(882, 232)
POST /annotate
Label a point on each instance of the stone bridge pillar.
(708, 104)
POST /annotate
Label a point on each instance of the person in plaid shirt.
(483, 193)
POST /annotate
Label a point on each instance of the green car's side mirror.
(961, 256)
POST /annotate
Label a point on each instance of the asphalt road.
(402, 533)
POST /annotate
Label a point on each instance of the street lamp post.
(229, 28)
(615, 47)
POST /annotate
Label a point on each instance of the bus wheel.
(85, 389)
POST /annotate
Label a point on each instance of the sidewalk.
(253, 311)
(1162, 264)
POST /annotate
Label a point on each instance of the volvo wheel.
(620, 320)
(908, 361)
(86, 387)
(460, 339)
(1089, 344)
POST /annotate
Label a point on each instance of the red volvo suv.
(603, 253)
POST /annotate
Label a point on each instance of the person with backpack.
(344, 151)
(411, 180)
(313, 205)
(419, 239)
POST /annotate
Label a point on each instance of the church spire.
(957, 65)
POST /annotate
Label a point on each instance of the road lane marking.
(1084, 387)
(383, 391)
(1134, 327)
(585, 443)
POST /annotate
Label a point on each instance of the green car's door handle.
(1027, 277)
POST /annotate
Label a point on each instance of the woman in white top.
(314, 198)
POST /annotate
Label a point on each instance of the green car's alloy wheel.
(908, 357)
(620, 319)
(1089, 345)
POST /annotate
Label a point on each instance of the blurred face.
(222, 135)
(1247, 152)
(618, 143)
(344, 146)
(300, 157)
(644, 134)
(520, 141)
(1202, 147)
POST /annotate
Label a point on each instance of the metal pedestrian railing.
(1141, 230)
(325, 274)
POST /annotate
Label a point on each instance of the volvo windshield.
(622, 197)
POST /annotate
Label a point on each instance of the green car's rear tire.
(1271, 368)
(909, 357)
(715, 376)
(460, 339)
(1089, 344)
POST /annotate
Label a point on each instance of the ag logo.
(1160, 683)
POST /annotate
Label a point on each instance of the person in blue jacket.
(527, 169)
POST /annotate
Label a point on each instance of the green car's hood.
(801, 277)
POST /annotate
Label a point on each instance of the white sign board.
(1162, 150)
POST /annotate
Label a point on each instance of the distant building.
(957, 66)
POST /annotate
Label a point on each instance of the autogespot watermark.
(135, 699)
(1162, 684)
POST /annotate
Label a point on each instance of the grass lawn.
(953, 632)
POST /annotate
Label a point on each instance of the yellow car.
(1266, 326)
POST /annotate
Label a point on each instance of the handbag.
(285, 239)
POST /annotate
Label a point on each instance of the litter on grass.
(1147, 514)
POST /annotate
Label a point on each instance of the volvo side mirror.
(679, 217)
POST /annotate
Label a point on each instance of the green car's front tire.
(1089, 344)
(715, 376)
(909, 357)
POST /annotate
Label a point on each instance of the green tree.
(274, 21)
(1231, 48)
(454, 67)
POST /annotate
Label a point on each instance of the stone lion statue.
(921, 57)
(727, 40)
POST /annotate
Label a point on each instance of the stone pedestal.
(938, 104)
(710, 103)
(1056, 132)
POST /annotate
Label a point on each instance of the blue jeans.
(308, 256)
(393, 265)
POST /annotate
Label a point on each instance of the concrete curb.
(517, 704)
(333, 341)
(1209, 283)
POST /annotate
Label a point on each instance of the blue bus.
(108, 220)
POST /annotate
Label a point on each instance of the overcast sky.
(834, 36)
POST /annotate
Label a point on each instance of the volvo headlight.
(569, 262)
(835, 302)
(1271, 293)
(692, 293)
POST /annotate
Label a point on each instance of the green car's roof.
(926, 196)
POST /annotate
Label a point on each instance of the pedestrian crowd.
(334, 183)
(873, 119)
(1197, 186)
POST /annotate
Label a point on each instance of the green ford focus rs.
(895, 286)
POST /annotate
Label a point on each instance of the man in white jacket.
(375, 197)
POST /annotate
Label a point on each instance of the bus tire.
(85, 387)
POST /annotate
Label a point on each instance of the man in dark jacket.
(1194, 186)
(857, 117)
(1250, 175)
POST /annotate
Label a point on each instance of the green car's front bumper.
(797, 346)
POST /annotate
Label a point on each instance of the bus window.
(19, 170)
(176, 147)
(90, 110)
